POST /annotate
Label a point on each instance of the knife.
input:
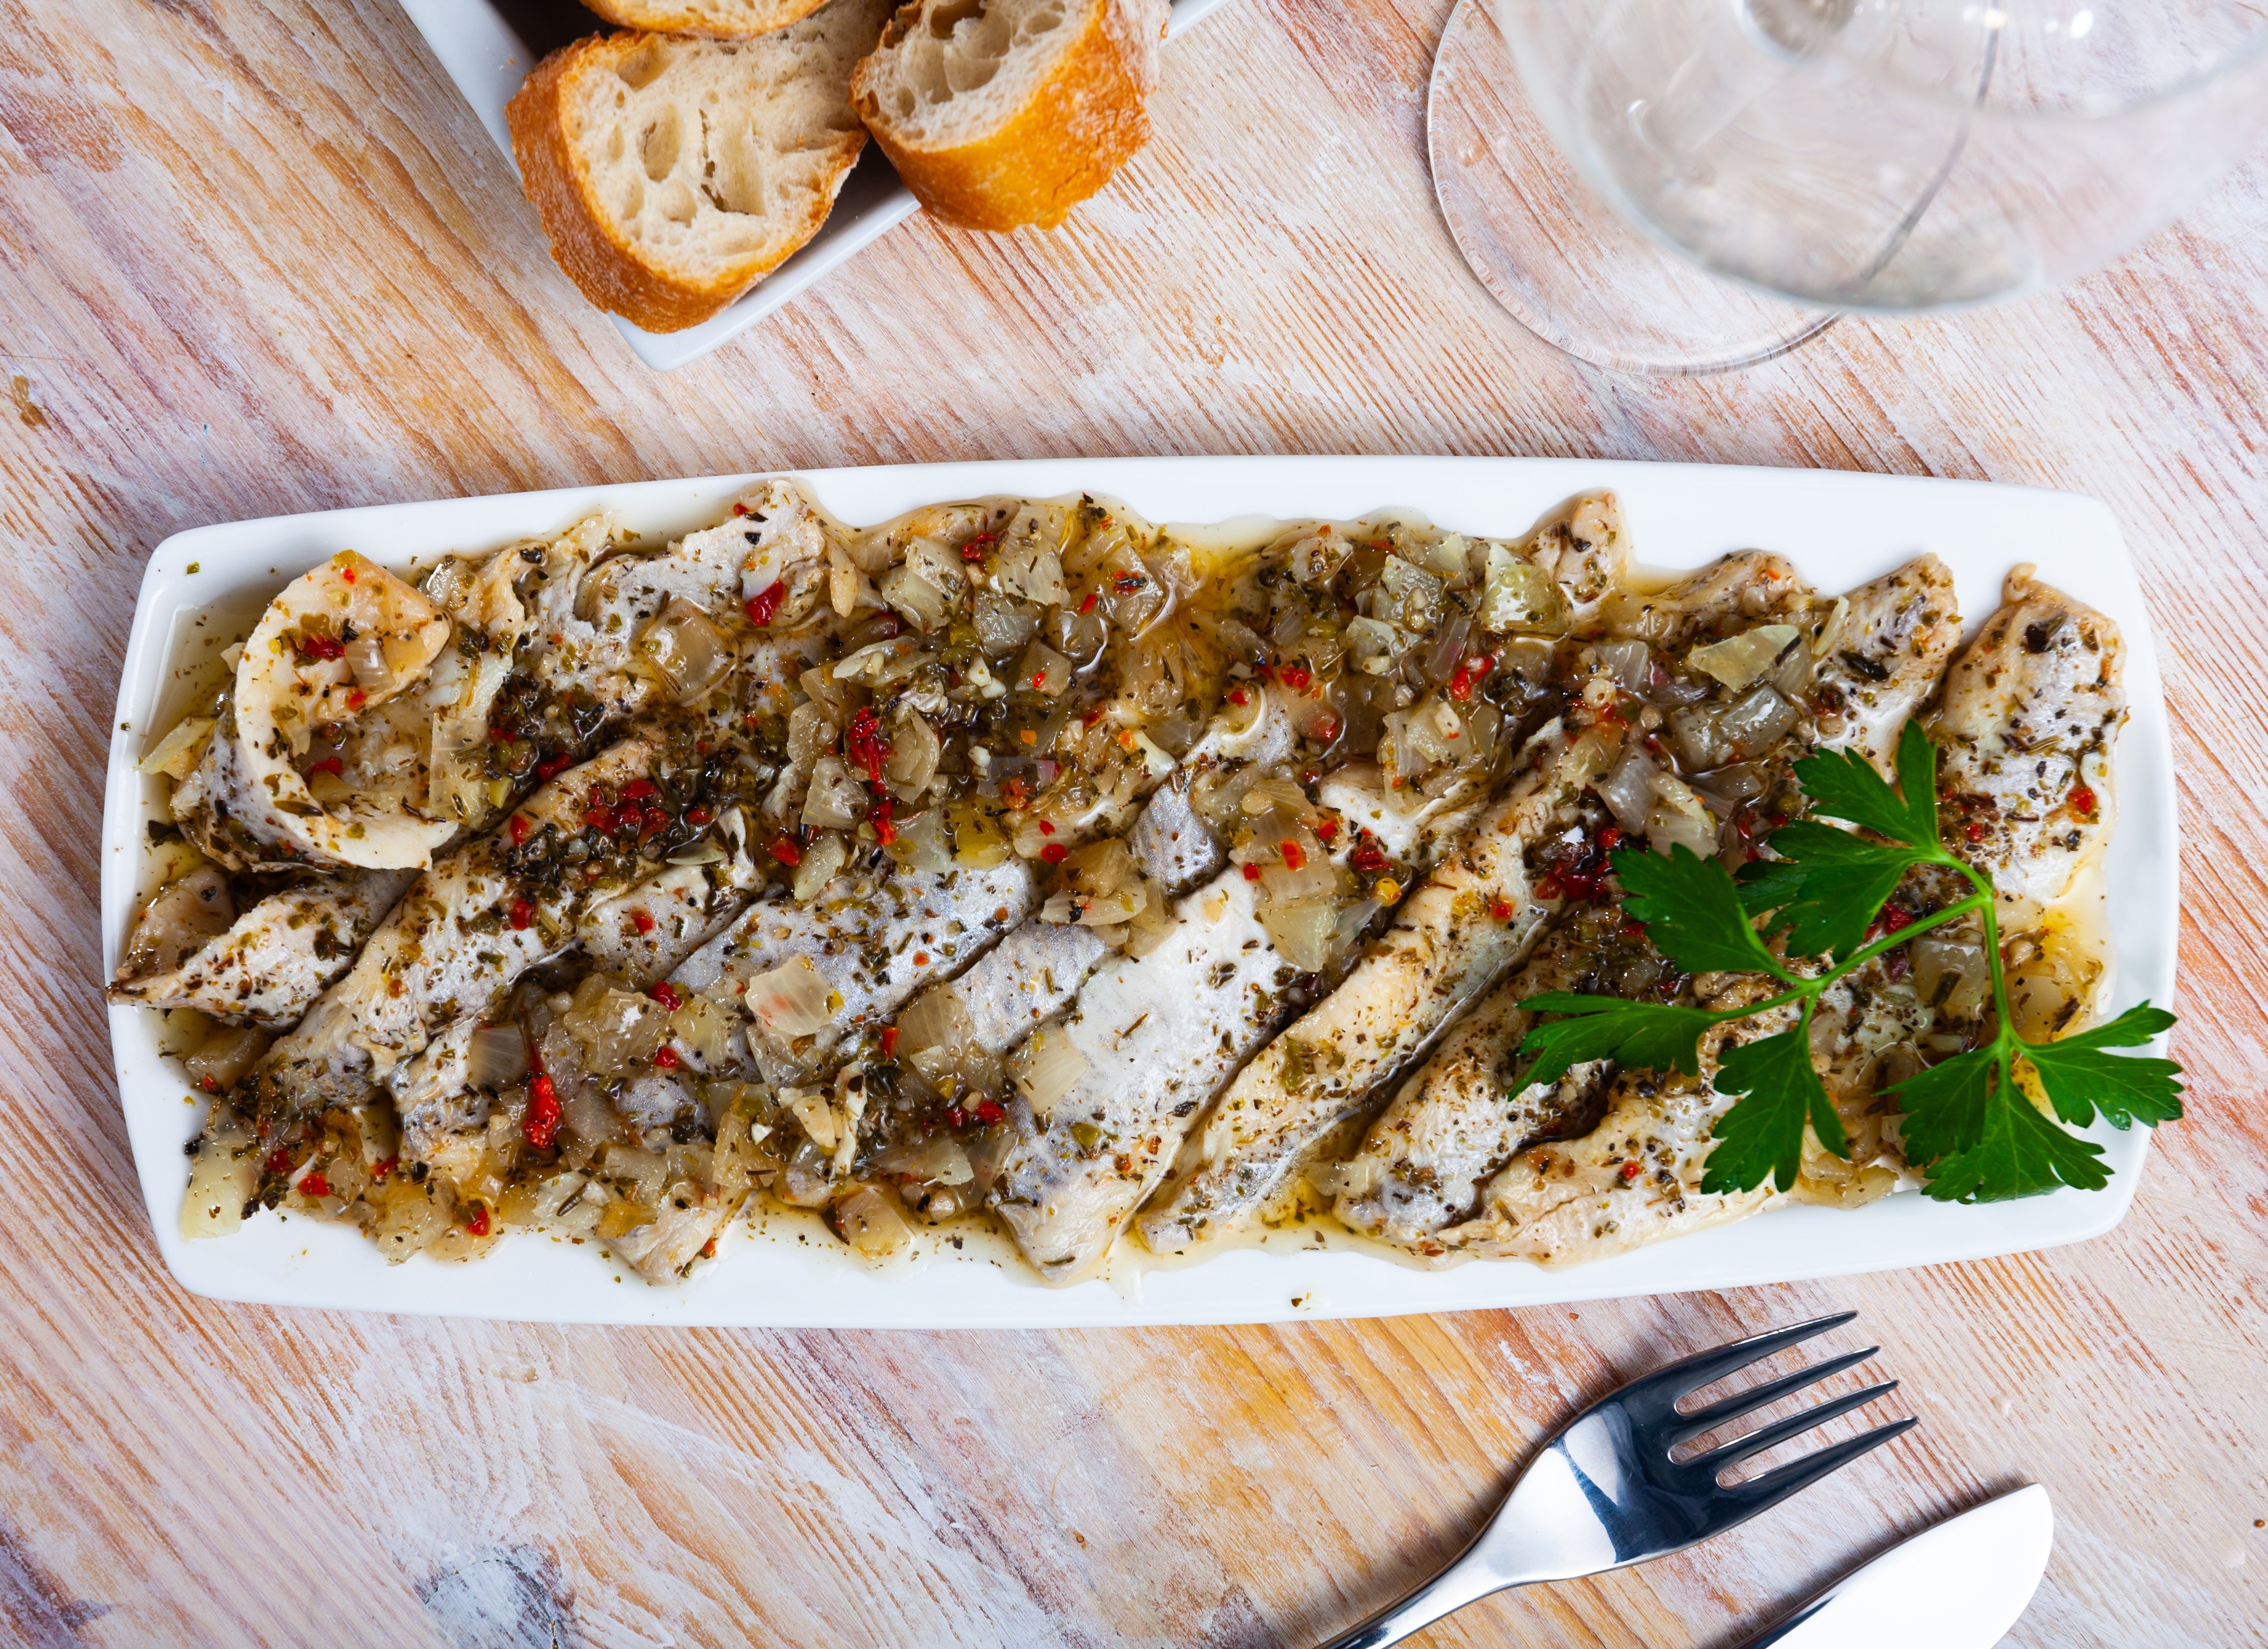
(1957, 1584)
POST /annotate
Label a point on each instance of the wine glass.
(1686, 186)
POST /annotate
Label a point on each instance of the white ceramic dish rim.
(487, 60)
(1839, 528)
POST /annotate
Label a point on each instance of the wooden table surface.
(255, 257)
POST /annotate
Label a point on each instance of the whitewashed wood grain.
(254, 257)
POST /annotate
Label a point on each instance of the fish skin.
(426, 966)
(1460, 1118)
(2030, 709)
(1898, 631)
(1443, 949)
(1160, 1034)
(266, 969)
(1568, 1203)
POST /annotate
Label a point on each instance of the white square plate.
(1840, 529)
(488, 59)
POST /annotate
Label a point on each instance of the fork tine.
(1778, 1431)
(1660, 1391)
(1782, 1481)
(1756, 1397)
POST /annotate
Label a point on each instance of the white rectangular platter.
(487, 59)
(1839, 529)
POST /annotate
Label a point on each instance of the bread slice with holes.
(719, 19)
(1002, 113)
(673, 173)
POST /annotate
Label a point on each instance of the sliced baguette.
(719, 19)
(1002, 113)
(672, 175)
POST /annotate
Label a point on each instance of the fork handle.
(1464, 1581)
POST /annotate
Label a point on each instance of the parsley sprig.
(1970, 1123)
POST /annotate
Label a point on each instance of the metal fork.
(1604, 1492)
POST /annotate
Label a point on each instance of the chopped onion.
(1315, 560)
(792, 1000)
(835, 800)
(704, 1031)
(1520, 596)
(939, 565)
(1042, 670)
(938, 1159)
(221, 1181)
(686, 650)
(1678, 819)
(938, 1018)
(870, 1222)
(1630, 662)
(1301, 931)
(920, 846)
(1002, 625)
(1698, 733)
(1447, 651)
(222, 1059)
(495, 1058)
(919, 601)
(1757, 720)
(915, 751)
(814, 1115)
(175, 756)
(1407, 596)
(1741, 659)
(647, 1172)
(1627, 791)
(1046, 1068)
(1373, 644)
(619, 1030)
(1279, 794)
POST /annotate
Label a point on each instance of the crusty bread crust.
(586, 242)
(678, 17)
(1062, 146)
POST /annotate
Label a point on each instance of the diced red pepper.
(2082, 800)
(1369, 858)
(886, 830)
(540, 1126)
(357, 699)
(665, 1058)
(477, 1221)
(639, 789)
(330, 764)
(1470, 674)
(1325, 730)
(977, 547)
(863, 744)
(522, 914)
(988, 1112)
(1295, 856)
(520, 829)
(889, 1042)
(347, 573)
(1631, 1170)
(383, 1167)
(279, 1161)
(641, 921)
(740, 509)
(764, 605)
(1238, 697)
(315, 1185)
(604, 819)
(698, 815)
(1252, 872)
(1087, 606)
(1328, 828)
(1294, 676)
(785, 850)
(1014, 792)
(322, 647)
(1047, 827)
(1055, 853)
(551, 768)
(1975, 831)
(668, 995)
(956, 1117)
(1610, 838)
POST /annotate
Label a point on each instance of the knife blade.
(1957, 1584)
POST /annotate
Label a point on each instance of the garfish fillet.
(2026, 730)
(1634, 1179)
(277, 956)
(1475, 917)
